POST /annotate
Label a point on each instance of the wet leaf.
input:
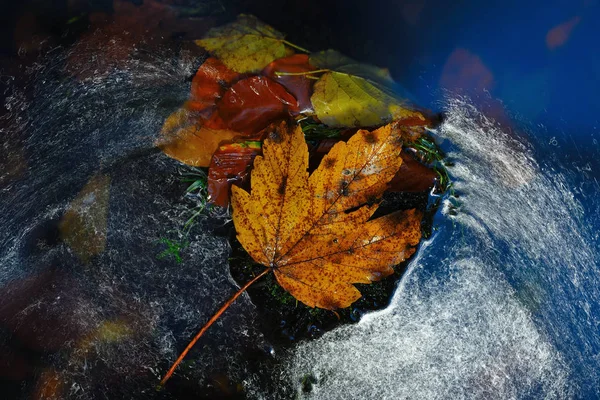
(342, 100)
(83, 227)
(245, 45)
(253, 103)
(231, 164)
(209, 83)
(300, 86)
(352, 94)
(315, 231)
(189, 142)
(412, 176)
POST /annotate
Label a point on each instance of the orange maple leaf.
(314, 231)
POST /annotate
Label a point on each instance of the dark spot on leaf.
(275, 137)
(370, 137)
(335, 240)
(329, 303)
(344, 188)
(282, 186)
(350, 251)
(329, 162)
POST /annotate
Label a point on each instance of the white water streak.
(484, 312)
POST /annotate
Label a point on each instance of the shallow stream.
(503, 301)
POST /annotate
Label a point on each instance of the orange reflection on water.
(465, 71)
(560, 34)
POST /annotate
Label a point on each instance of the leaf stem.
(317, 71)
(208, 324)
(295, 46)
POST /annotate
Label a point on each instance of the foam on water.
(498, 304)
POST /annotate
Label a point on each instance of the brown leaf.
(231, 164)
(315, 231)
(50, 385)
(190, 143)
(412, 176)
(209, 83)
(253, 103)
(300, 86)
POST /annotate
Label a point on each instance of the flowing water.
(107, 326)
(501, 302)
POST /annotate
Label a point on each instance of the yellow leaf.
(245, 45)
(352, 94)
(83, 227)
(315, 231)
(190, 143)
(342, 100)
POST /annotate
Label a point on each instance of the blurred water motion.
(89, 311)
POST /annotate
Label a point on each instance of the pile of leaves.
(253, 78)
(304, 147)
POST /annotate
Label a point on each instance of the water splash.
(501, 303)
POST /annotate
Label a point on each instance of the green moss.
(314, 130)
(196, 195)
(307, 382)
(429, 153)
(174, 248)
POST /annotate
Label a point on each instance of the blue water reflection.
(540, 58)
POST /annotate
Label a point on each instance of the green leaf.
(245, 45)
(342, 100)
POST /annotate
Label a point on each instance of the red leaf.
(211, 119)
(412, 176)
(253, 103)
(299, 86)
(230, 164)
(209, 83)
